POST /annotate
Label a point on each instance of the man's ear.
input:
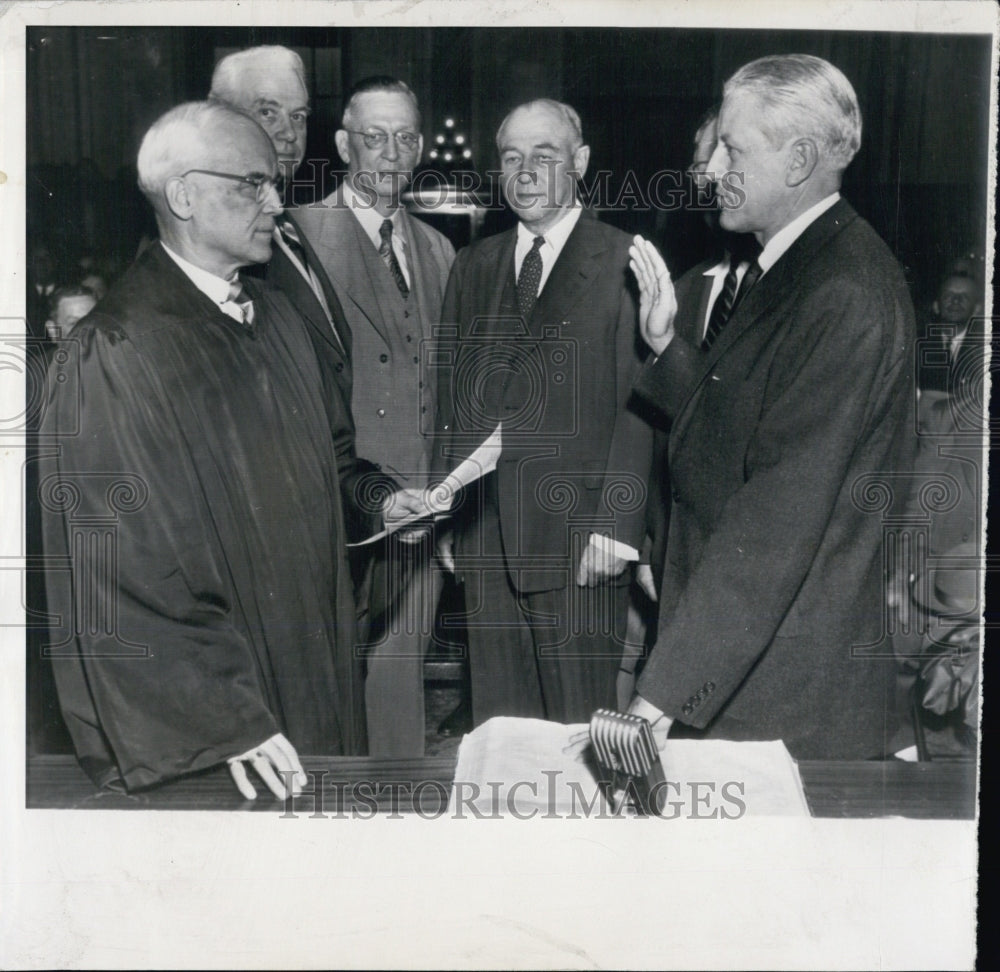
(340, 139)
(581, 157)
(803, 156)
(179, 201)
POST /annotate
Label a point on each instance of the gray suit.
(393, 406)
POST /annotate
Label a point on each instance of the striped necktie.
(388, 255)
(291, 237)
(727, 302)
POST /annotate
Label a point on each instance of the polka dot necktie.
(529, 278)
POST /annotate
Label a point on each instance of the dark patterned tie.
(291, 237)
(529, 278)
(727, 302)
(238, 296)
(388, 255)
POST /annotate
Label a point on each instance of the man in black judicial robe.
(212, 620)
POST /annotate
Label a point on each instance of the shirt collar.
(557, 234)
(786, 236)
(214, 288)
(370, 218)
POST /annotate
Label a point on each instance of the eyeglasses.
(377, 139)
(261, 184)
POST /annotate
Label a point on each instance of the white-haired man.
(269, 84)
(546, 348)
(799, 407)
(390, 270)
(198, 436)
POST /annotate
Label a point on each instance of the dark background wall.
(920, 177)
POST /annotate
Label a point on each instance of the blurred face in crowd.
(540, 165)
(69, 311)
(749, 171)
(95, 282)
(226, 223)
(380, 172)
(704, 145)
(957, 300)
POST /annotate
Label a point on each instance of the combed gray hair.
(804, 95)
(229, 70)
(179, 139)
(378, 82)
(566, 112)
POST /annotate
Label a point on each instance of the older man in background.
(390, 270)
(198, 427)
(546, 349)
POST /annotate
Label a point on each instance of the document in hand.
(441, 496)
(518, 767)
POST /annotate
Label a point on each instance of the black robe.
(192, 487)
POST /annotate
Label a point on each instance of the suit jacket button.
(710, 686)
(687, 709)
(406, 313)
(340, 367)
(383, 358)
(675, 495)
(380, 413)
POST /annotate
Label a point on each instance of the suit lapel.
(338, 319)
(569, 282)
(773, 286)
(343, 237)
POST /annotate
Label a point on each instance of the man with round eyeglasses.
(194, 444)
(390, 271)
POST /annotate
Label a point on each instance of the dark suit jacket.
(773, 574)
(575, 459)
(361, 482)
(692, 292)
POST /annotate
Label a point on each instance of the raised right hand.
(657, 302)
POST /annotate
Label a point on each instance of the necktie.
(529, 278)
(388, 255)
(243, 303)
(291, 237)
(727, 302)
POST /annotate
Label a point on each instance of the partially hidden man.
(801, 402)
(197, 434)
(540, 337)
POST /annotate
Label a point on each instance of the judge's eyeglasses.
(261, 184)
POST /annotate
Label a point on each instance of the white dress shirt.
(371, 222)
(555, 239)
(216, 289)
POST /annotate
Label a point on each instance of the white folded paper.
(439, 498)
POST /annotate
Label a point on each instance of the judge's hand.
(644, 578)
(410, 502)
(659, 723)
(272, 757)
(446, 550)
(657, 303)
(598, 565)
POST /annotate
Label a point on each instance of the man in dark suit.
(541, 340)
(198, 435)
(390, 271)
(268, 83)
(773, 575)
